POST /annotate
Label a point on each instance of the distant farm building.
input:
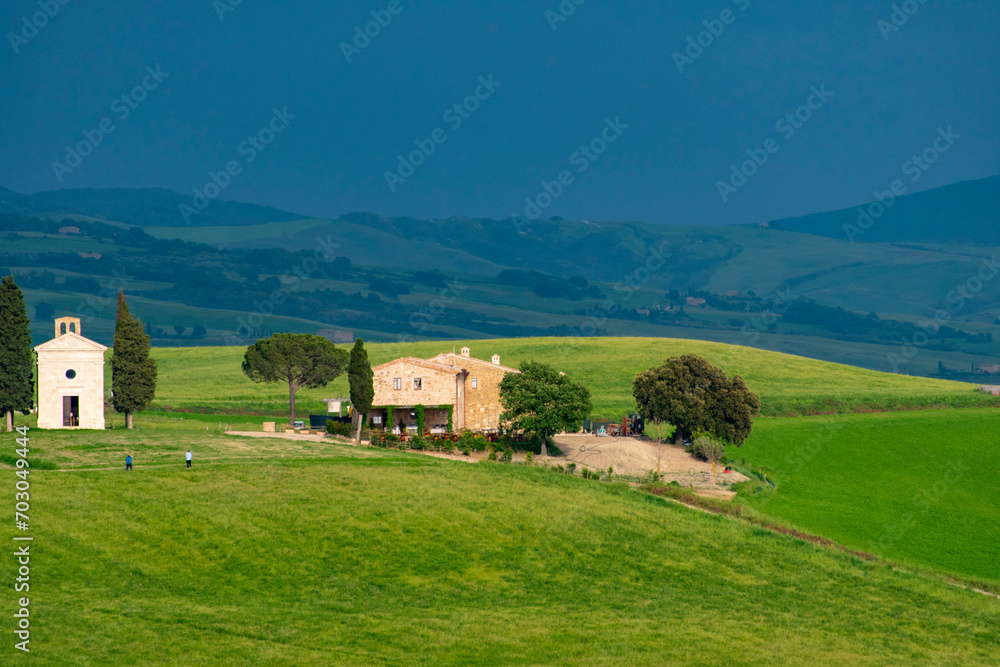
(456, 384)
(70, 379)
(695, 301)
(336, 335)
(989, 369)
(69, 230)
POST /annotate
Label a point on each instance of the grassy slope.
(916, 487)
(393, 559)
(211, 377)
(223, 235)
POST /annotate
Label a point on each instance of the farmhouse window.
(475, 383)
(397, 383)
(416, 384)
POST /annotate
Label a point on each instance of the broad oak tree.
(692, 394)
(541, 401)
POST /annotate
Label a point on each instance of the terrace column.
(458, 418)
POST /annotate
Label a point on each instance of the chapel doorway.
(71, 410)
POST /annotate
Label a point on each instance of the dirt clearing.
(637, 456)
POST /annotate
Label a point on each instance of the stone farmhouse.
(457, 384)
(70, 379)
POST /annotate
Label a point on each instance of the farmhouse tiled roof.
(442, 358)
(424, 363)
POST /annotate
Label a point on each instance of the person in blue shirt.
(188, 457)
(128, 462)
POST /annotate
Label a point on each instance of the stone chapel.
(70, 379)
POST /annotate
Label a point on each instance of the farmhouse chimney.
(496, 359)
(465, 351)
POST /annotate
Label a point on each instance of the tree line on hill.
(550, 287)
(202, 276)
(838, 323)
(870, 327)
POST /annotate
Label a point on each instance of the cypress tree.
(133, 373)
(17, 361)
(359, 376)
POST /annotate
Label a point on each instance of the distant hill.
(963, 213)
(465, 277)
(144, 207)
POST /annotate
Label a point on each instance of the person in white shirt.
(189, 458)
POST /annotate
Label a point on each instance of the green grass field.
(920, 488)
(211, 379)
(342, 555)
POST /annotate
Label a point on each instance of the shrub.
(471, 442)
(493, 454)
(419, 443)
(508, 455)
(344, 429)
(707, 449)
(571, 467)
(527, 458)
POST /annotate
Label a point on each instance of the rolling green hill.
(211, 378)
(339, 555)
(915, 487)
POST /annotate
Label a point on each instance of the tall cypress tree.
(133, 373)
(17, 362)
(359, 376)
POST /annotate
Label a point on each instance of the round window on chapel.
(71, 374)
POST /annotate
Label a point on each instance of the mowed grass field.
(920, 488)
(359, 556)
(210, 378)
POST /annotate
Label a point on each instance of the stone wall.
(437, 386)
(482, 404)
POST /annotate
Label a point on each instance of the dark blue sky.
(557, 87)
